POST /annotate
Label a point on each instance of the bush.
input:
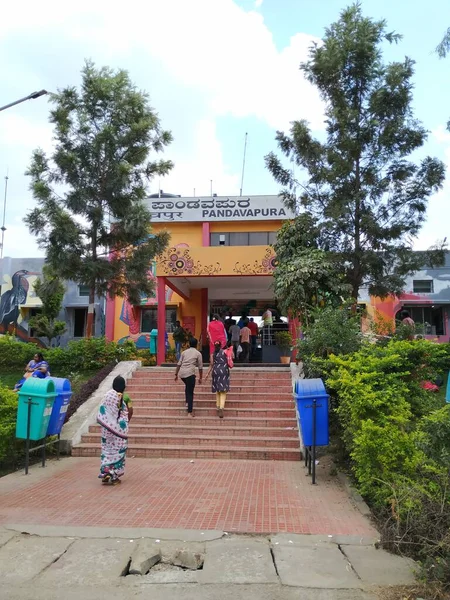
(15, 355)
(8, 414)
(397, 437)
(332, 331)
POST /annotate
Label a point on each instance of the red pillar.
(161, 315)
(204, 316)
(205, 234)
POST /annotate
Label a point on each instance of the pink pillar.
(161, 317)
(294, 328)
(204, 316)
(205, 234)
(109, 317)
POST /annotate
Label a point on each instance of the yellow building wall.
(187, 239)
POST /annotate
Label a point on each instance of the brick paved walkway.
(238, 496)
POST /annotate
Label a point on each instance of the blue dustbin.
(153, 341)
(41, 392)
(60, 405)
(307, 390)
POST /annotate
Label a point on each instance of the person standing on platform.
(179, 336)
(254, 336)
(189, 361)
(235, 334)
(228, 323)
(245, 342)
(220, 377)
(216, 333)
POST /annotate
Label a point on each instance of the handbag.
(230, 358)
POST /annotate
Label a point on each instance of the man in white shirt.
(235, 336)
(190, 360)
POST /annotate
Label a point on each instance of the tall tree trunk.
(90, 316)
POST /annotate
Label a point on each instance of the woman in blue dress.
(38, 367)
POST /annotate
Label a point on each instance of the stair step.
(190, 427)
(177, 451)
(177, 387)
(264, 422)
(209, 410)
(205, 402)
(210, 441)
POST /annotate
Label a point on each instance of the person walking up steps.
(190, 360)
(220, 377)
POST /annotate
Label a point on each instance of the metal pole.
(3, 228)
(27, 445)
(243, 164)
(314, 418)
(32, 96)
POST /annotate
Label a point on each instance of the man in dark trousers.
(190, 360)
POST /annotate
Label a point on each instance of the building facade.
(220, 258)
(19, 302)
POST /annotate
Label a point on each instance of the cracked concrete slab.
(378, 567)
(89, 562)
(24, 557)
(181, 535)
(238, 561)
(314, 567)
(146, 554)
(319, 540)
(5, 536)
(185, 591)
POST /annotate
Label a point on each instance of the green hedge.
(397, 438)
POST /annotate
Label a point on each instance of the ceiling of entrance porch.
(244, 286)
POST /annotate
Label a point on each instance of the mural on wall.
(266, 266)
(131, 314)
(178, 261)
(17, 291)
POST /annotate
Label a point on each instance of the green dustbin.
(153, 341)
(42, 393)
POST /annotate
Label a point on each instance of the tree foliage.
(306, 274)
(365, 198)
(50, 289)
(89, 192)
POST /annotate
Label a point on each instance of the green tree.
(306, 276)
(366, 198)
(89, 215)
(50, 290)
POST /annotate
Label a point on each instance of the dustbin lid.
(62, 385)
(309, 388)
(34, 386)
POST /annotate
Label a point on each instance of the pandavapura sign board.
(218, 208)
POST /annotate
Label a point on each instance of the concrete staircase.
(259, 423)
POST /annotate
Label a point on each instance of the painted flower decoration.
(180, 263)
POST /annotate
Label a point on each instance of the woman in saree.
(38, 367)
(113, 416)
(216, 333)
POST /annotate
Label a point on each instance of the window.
(83, 290)
(237, 238)
(259, 238)
(79, 322)
(423, 286)
(430, 317)
(149, 319)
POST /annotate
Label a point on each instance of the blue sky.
(214, 69)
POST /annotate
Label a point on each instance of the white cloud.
(215, 58)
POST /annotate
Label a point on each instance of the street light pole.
(32, 96)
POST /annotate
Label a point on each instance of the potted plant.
(283, 339)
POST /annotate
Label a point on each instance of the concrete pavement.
(53, 562)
